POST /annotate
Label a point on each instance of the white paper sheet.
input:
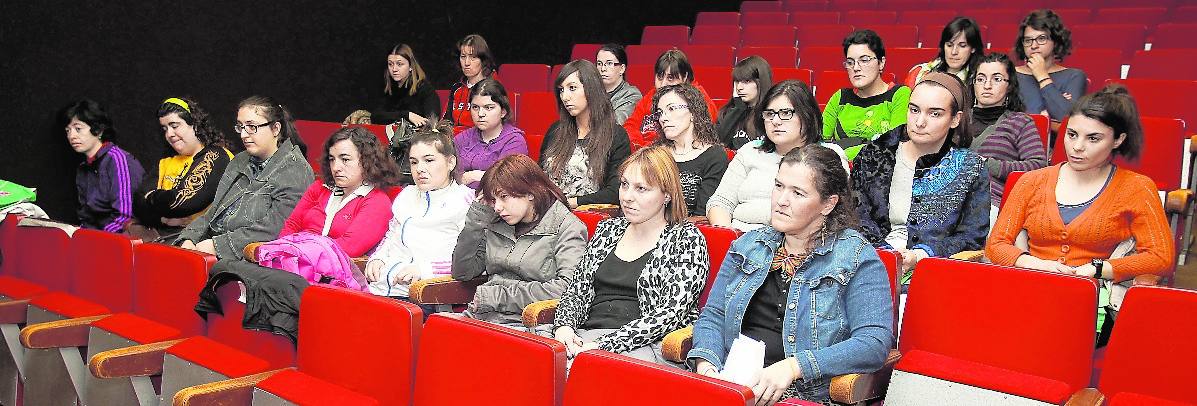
(745, 360)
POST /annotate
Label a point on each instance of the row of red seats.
(1070, 16)
(905, 5)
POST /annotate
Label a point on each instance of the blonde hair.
(660, 171)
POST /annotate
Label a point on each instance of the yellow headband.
(178, 102)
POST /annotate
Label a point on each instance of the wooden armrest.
(541, 312)
(360, 262)
(675, 345)
(1086, 397)
(236, 391)
(1178, 201)
(138, 360)
(1148, 280)
(14, 311)
(856, 388)
(251, 251)
(58, 334)
(444, 290)
(1193, 143)
(698, 220)
(608, 209)
(971, 256)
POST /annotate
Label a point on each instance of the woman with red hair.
(520, 236)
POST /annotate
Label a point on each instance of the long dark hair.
(806, 111)
(756, 69)
(274, 112)
(602, 123)
(196, 117)
(830, 179)
(378, 169)
(1013, 98)
(481, 50)
(972, 34)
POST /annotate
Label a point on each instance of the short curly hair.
(1049, 22)
(378, 169)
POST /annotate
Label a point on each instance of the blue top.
(1069, 81)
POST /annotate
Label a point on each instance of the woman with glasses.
(476, 63)
(186, 181)
(612, 61)
(1045, 86)
(408, 95)
(856, 115)
(584, 148)
(960, 47)
(259, 188)
(789, 118)
(1002, 133)
(751, 77)
(684, 127)
(918, 188)
(492, 137)
(672, 68)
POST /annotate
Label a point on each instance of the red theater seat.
(709, 55)
(994, 16)
(716, 35)
(583, 51)
(768, 35)
(1172, 36)
(37, 256)
(821, 35)
(537, 111)
(719, 240)
(821, 58)
(778, 57)
(758, 5)
(926, 17)
(717, 18)
(591, 219)
(805, 75)
(848, 5)
(869, 18)
(314, 133)
(1163, 64)
(535, 142)
(949, 351)
(896, 35)
(665, 35)
(595, 373)
(1166, 98)
(755, 18)
(1127, 38)
(800, 18)
(900, 61)
(1100, 65)
(640, 76)
(646, 54)
(716, 80)
(804, 5)
(1138, 15)
(521, 77)
(1075, 16)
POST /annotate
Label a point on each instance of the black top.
(732, 124)
(192, 193)
(396, 105)
(763, 317)
(615, 303)
(700, 177)
(621, 147)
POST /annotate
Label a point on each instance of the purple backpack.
(314, 257)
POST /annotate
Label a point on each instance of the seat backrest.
(379, 131)
(1166, 98)
(716, 35)
(1099, 65)
(821, 35)
(102, 270)
(759, 5)
(709, 55)
(754, 18)
(1075, 16)
(370, 350)
(1163, 64)
(768, 35)
(900, 60)
(846, 5)
(926, 17)
(314, 133)
(869, 17)
(641, 76)
(1043, 124)
(1001, 35)
(1173, 35)
(535, 141)
(719, 241)
(1164, 144)
(1027, 321)
(537, 111)
(1011, 179)
(805, 5)
(42, 256)
(591, 219)
(665, 35)
(895, 35)
(1127, 38)
(821, 58)
(646, 54)
(1150, 351)
(717, 18)
(993, 16)
(799, 18)
(716, 80)
(1137, 15)
(778, 57)
(530, 369)
(893, 262)
(8, 251)
(805, 75)
(595, 373)
(525, 77)
(166, 282)
(582, 51)
(829, 81)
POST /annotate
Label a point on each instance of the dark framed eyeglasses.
(783, 114)
(250, 129)
(1041, 40)
(607, 64)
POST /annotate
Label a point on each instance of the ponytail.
(1114, 107)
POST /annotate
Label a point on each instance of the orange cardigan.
(1128, 207)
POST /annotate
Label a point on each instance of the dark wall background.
(322, 59)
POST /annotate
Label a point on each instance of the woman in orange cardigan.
(1078, 212)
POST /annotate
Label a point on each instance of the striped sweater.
(1011, 144)
(106, 183)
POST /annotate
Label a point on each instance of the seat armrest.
(138, 360)
(676, 344)
(857, 388)
(1193, 143)
(971, 256)
(541, 312)
(59, 333)
(360, 262)
(14, 311)
(1148, 280)
(1178, 201)
(444, 290)
(251, 251)
(610, 210)
(1086, 397)
(699, 220)
(236, 391)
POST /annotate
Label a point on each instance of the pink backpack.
(314, 257)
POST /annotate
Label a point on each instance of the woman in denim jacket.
(809, 286)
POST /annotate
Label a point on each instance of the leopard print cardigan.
(667, 289)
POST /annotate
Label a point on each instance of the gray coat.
(253, 207)
(623, 100)
(521, 270)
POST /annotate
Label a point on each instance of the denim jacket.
(838, 318)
